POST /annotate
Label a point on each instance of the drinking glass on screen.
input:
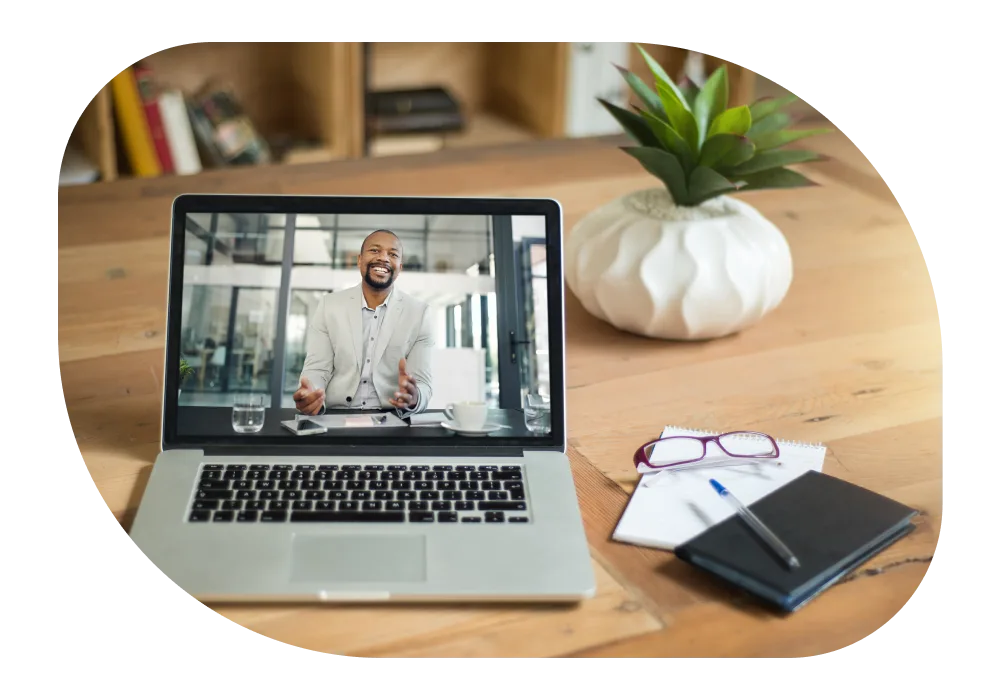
(538, 413)
(248, 413)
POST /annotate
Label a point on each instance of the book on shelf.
(180, 136)
(224, 131)
(133, 125)
(414, 110)
(151, 107)
(404, 144)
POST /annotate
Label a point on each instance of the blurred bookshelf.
(214, 105)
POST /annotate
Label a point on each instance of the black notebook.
(830, 525)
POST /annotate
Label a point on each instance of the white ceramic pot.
(652, 268)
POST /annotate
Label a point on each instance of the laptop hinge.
(366, 450)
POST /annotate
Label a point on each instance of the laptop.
(365, 400)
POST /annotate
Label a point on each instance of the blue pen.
(757, 526)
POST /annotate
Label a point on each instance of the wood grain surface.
(851, 358)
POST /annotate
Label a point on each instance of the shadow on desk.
(216, 421)
(715, 590)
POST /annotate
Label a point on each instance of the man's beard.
(374, 283)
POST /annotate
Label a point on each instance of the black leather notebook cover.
(831, 525)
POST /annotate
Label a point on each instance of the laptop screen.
(360, 327)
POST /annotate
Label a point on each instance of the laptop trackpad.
(359, 558)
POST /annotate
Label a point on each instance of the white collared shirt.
(371, 325)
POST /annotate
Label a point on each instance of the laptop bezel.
(319, 204)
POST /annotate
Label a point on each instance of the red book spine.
(144, 79)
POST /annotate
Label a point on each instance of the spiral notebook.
(669, 509)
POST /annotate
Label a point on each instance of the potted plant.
(686, 261)
(185, 371)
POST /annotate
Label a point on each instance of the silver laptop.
(365, 399)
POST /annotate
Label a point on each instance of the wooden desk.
(851, 358)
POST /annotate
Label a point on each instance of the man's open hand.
(308, 401)
(406, 394)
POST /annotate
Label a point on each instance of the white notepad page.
(669, 509)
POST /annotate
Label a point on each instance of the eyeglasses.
(687, 452)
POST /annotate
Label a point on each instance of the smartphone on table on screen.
(304, 427)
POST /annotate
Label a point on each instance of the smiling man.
(368, 347)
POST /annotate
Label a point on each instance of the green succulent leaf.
(662, 76)
(772, 122)
(774, 179)
(677, 115)
(689, 90)
(725, 149)
(769, 105)
(671, 140)
(664, 166)
(634, 125)
(644, 92)
(772, 159)
(706, 183)
(712, 99)
(775, 139)
(733, 121)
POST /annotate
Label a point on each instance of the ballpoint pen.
(757, 526)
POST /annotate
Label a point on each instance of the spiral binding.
(781, 443)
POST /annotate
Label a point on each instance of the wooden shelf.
(313, 93)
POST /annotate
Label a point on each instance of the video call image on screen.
(310, 324)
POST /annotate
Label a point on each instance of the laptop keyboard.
(353, 493)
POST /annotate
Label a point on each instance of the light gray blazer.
(334, 347)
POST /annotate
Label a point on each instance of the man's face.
(381, 260)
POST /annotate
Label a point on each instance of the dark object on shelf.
(224, 131)
(430, 109)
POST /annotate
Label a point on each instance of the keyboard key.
(302, 505)
(512, 477)
(333, 485)
(378, 484)
(467, 485)
(291, 495)
(475, 496)
(282, 467)
(418, 505)
(211, 474)
(337, 495)
(468, 519)
(465, 505)
(247, 495)
(213, 484)
(352, 467)
(383, 495)
(347, 517)
(199, 516)
(503, 505)
(243, 484)
(288, 484)
(401, 485)
(305, 467)
(490, 486)
(376, 467)
(315, 495)
(256, 474)
(310, 484)
(253, 505)
(510, 468)
(517, 495)
(411, 476)
(497, 496)
(260, 466)
(371, 505)
(324, 505)
(406, 495)
(213, 466)
(327, 467)
(221, 494)
(355, 484)
(396, 468)
(423, 486)
(232, 474)
(395, 505)
(451, 495)
(367, 475)
(349, 505)
(273, 516)
(247, 516)
(493, 517)
(429, 495)
(421, 517)
(267, 484)
(300, 474)
(441, 505)
(447, 517)
(517, 519)
(446, 485)
(223, 516)
(434, 476)
(346, 473)
(237, 467)
(232, 505)
(278, 505)
(509, 485)
(269, 495)
(206, 504)
(361, 495)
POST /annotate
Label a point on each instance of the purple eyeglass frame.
(640, 458)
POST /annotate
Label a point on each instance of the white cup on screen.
(468, 415)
